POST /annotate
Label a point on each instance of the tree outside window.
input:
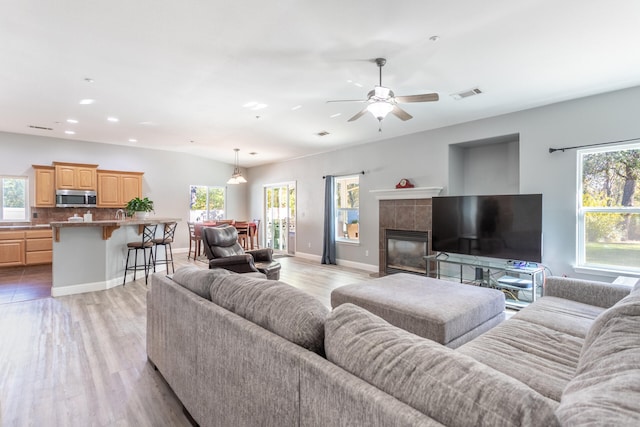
(347, 215)
(14, 198)
(207, 203)
(609, 208)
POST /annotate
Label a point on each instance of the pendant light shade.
(237, 177)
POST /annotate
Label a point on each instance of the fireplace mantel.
(406, 193)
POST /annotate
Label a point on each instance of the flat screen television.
(501, 226)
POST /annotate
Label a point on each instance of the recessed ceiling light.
(87, 101)
(297, 107)
(89, 80)
(113, 119)
(254, 105)
(335, 115)
(133, 140)
(253, 153)
(72, 121)
(434, 38)
(358, 84)
(69, 132)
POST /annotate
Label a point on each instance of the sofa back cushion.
(276, 306)
(451, 388)
(607, 381)
(198, 280)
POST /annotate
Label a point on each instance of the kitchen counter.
(90, 256)
(24, 227)
(108, 225)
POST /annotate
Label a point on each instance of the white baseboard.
(81, 288)
(344, 263)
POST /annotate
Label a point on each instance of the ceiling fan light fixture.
(236, 177)
(382, 92)
(380, 109)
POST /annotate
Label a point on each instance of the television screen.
(502, 226)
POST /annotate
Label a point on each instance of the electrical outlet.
(366, 252)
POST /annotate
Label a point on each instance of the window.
(609, 208)
(15, 198)
(347, 215)
(207, 203)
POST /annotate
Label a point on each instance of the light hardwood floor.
(80, 360)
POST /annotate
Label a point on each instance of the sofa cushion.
(451, 388)
(539, 346)
(276, 306)
(607, 381)
(198, 280)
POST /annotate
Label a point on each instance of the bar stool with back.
(165, 241)
(146, 242)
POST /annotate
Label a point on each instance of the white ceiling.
(177, 73)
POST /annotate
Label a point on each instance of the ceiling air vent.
(323, 133)
(466, 93)
(39, 127)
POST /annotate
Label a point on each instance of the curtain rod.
(553, 150)
(345, 174)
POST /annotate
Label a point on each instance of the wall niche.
(485, 166)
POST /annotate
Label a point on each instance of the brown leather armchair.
(223, 251)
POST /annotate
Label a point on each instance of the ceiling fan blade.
(357, 116)
(400, 113)
(425, 97)
(349, 100)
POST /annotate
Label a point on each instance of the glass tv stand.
(520, 281)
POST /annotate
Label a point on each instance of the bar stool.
(148, 234)
(165, 241)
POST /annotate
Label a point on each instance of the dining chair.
(255, 234)
(243, 233)
(194, 241)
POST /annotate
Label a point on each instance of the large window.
(347, 213)
(15, 198)
(207, 203)
(609, 208)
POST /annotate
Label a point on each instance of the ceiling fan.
(382, 101)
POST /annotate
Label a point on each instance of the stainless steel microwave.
(75, 199)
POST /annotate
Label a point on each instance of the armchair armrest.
(600, 294)
(237, 263)
(264, 254)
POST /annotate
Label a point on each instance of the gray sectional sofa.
(244, 351)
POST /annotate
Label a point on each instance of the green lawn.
(623, 254)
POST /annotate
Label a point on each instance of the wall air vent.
(323, 133)
(466, 93)
(40, 127)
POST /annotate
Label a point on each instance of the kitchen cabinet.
(11, 248)
(75, 176)
(38, 247)
(45, 186)
(116, 188)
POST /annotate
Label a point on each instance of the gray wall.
(167, 176)
(424, 159)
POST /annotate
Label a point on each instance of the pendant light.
(237, 177)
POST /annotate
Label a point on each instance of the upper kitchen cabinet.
(45, 186)
(116, 188)
(75, 176)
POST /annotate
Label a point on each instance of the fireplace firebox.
(406, 251)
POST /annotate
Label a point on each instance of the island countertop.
(108, 225)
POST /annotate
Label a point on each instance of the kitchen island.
(90, 256)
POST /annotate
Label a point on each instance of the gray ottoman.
(447, 312)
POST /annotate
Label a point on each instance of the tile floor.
(25, 283)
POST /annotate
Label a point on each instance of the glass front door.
(280, 217)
